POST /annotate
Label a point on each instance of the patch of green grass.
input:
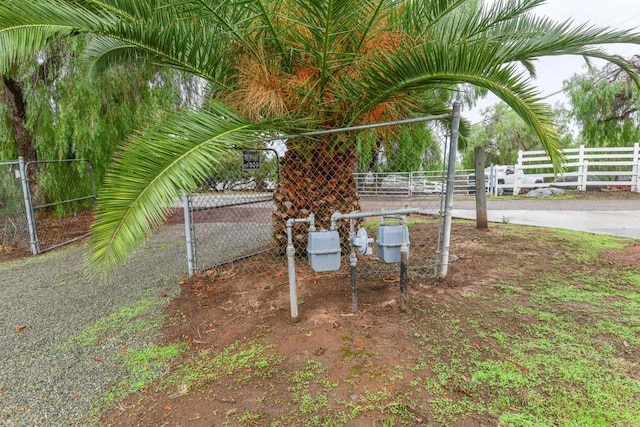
(27, 261)
(311, 376)
(128, 320)
(142, 367)
(586, 247)
(566, 353)
(633, 278)
(250, 418)
(240, 360)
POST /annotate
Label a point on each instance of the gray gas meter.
(323, 250)
(390, 240)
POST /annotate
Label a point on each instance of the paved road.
(614, 217)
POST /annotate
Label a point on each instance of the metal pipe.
(28, 206)
(369, 126)
(188, 231)
(291, 261)
(404, 258)
(79, 199)
(353, 263)
(337, 216)
(451, 176)
(353, 266)
(353, 258)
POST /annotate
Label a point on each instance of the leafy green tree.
(502, 133)
(408, 148)
(71, 115)
(280, 67)
(605, 104)
(52, 110)
(13, 110)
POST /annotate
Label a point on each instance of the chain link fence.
(241, 210)
(14, 234)
(44, 204)
(63, 196)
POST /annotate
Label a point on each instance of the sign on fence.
(250, 160)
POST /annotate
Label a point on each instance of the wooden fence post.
(635, 179)
(481, 192)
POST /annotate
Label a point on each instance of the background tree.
(283, 66)
(404, 149)
(51, 109)
(14, 111)
(502, 133)
(604, 103)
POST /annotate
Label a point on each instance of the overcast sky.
(618, 14)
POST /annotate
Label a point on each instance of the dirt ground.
(218, 310)
(362, 350)
(51, 232)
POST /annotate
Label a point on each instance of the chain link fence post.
(451, 176)
(31, 221)
(189, 234)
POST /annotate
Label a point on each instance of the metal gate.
(14, 229)
(229, 217)
(44, 204)
(60, 196)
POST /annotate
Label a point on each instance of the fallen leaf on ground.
(21, 328)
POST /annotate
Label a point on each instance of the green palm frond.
(166, 40)
(105, 52)
(432, 67)
(420, 16)
(175, 154)
(26, 42)
(26, 27)
(332, 62)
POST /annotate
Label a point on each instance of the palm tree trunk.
(318, 181)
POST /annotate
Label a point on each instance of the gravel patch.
(48, 377)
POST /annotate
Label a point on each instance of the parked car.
(503, 176)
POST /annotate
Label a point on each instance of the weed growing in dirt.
(142, 367)
(552, 341)
(127, 321)
(240, 360)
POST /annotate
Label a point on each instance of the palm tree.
(280, 67)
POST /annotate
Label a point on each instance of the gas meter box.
(390, 239)
(323, 250)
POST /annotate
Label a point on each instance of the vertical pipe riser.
(404, 258)
(451, 171)
(188, 231)
(293, 288)
(28, 206)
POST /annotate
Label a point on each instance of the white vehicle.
(500, 179)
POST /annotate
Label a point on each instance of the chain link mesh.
(63, 198)
(240, 212)
(14, 229)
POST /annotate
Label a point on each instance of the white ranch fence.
(409, 184)
(585, 168)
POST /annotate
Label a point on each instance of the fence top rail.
(11, 163)
(585, 150)
(608, 149)
(59, 161)
(609, 156)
